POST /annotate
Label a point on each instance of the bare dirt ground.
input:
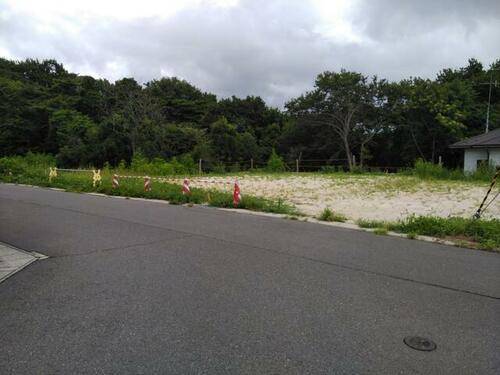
(386, 197)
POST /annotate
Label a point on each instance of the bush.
(428, 170)
(218, 168)
(486, 232)
(328, 169)
(235, 168)
(139, 162)
(11, 165)
(380, 231)
(329, 215)
(18, 165)
(275, 163)
(39, 160)
(160, 167)
(358, 170)
(424, 169)
(485, 172)
(363, 223)
(188, 164)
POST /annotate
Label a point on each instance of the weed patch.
(329, 215)
(380, 231)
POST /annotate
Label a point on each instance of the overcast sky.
(271, 48)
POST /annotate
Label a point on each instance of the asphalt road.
(135, 287)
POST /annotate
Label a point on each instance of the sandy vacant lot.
(387, 197)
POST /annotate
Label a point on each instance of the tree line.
(347, 118)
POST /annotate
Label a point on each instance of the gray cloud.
(271, 49)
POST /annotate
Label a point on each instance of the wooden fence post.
(199, 167)
(297, 165)
(251, 163)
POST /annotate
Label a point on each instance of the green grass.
(363, 223)
(486, 233)
(411, 236)
(329, 215)
(468, 232)
(380, 231)
(134, 187)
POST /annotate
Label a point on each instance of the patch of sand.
(388, 197)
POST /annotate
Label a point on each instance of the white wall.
(471, 156)
(495, 156)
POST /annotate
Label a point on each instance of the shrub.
(484, 172)
(218, 168)
(328, 169)
(235, 168)
(363, 223)
(424, 169)
(428, 170)
(11, 165)
(380, 231)
(329, 215)
(275, 163)
(39, 160)
(122, 166)
(139, 162)
(188, 164)
(159, 167)
(358, 170)
(411, 235)
(486, 232)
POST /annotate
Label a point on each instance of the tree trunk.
(416, 144)
(433, 148)
(347, 149)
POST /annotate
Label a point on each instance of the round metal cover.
(420, 343)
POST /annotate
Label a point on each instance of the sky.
(272, 48)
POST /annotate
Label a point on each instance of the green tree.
(180, 101)
(77, 137)
(275, 163)
(224, 140)
(341, 102)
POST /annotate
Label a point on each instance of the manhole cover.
(420, 343)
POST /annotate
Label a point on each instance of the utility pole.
(489, 99)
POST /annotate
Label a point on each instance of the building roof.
(486, 140)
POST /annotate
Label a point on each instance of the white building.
(484, 148)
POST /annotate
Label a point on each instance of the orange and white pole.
(185, 187)
(147, 183)
(115, 181)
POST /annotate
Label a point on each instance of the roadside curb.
(352, 226)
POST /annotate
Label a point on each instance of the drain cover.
(420, 343)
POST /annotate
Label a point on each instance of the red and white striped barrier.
(115, 181)
(185, 187)
(147, 183)
(236, 194)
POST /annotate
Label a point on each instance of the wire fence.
(298, 165)
(306, 165)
